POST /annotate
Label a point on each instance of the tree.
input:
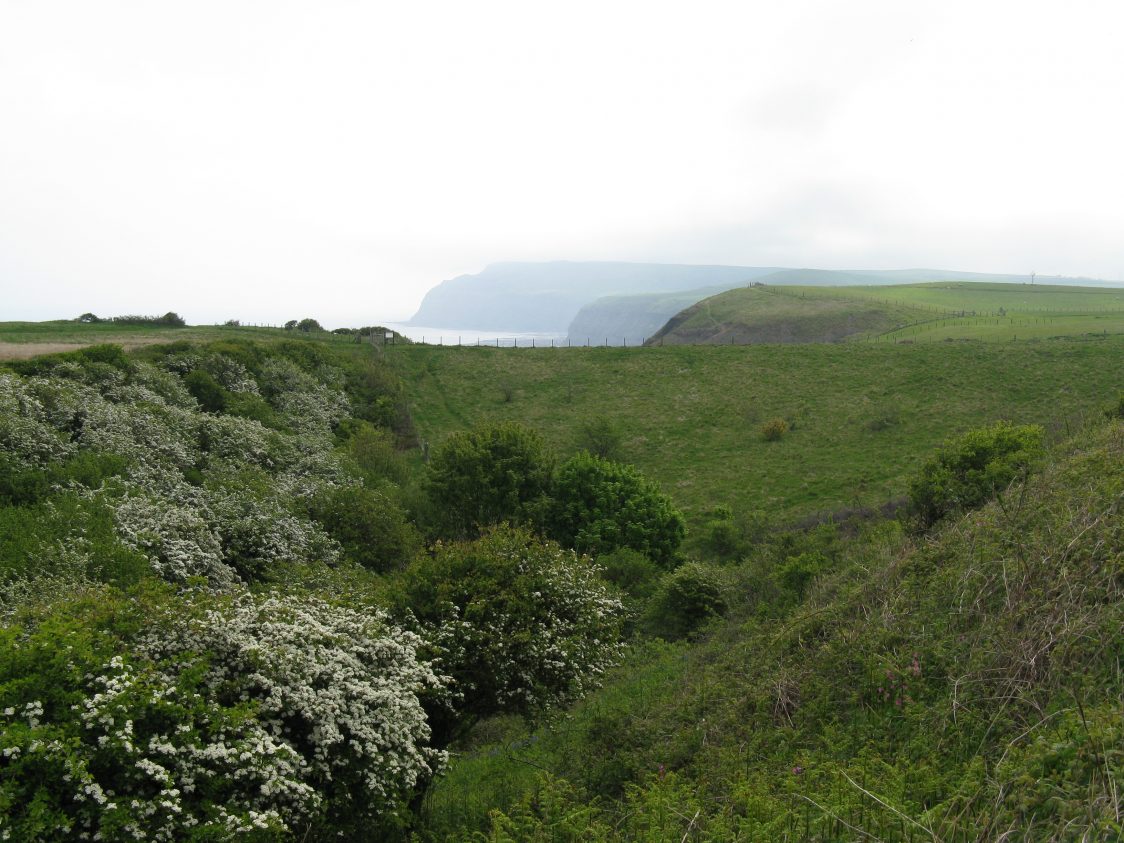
(493, 473)
(171, 319)
(598, 506)
(308, 325)
(291, 325)
(518, 623)
(88, 318)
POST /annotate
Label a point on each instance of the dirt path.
(24, 350)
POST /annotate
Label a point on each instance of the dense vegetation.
(216, 619)
(242, 595)
(957, 685)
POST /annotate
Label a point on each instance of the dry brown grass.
(25, 350)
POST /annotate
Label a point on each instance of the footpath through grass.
(862, 416)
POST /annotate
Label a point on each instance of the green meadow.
(861, 416)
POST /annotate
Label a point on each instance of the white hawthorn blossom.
(341, 687)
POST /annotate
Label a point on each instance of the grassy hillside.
(619, 320)
(963, 686)
(863, 415)
(761, 314)
(914, 312)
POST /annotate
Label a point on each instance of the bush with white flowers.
(341, 687)
(246, 717)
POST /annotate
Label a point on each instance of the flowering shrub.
(245, 717)
(176, 538)
(520, 624)
(99, 745)
(340, 687)
(25, 434)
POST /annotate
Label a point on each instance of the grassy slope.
(948, 689)
(764, 315)
(866, 415)
(914, 312)
(612, 319)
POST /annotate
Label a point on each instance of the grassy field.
(20, 340)
(864, 416)
(990, 312)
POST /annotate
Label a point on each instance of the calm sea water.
(457, 336)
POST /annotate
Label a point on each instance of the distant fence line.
(905, 334)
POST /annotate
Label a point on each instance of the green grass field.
(864, 416)
(989, 312)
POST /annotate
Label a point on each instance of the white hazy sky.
(274, 160)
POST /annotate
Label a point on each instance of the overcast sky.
(275, 160)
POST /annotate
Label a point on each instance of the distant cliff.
(630, 320)
(547, 296)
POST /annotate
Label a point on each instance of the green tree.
(498, 472)
(967, 471)
(308, 325)
(598, 506)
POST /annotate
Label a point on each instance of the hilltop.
(760, 314)
(935, 310)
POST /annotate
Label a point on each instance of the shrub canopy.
(599, 506)
(493, 473)
(969, 470)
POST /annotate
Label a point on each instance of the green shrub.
(798, 571)
(968, 471)
(493, 473)
(519, 624)
(774, 429)
(630, 571)
(373, 450)
(370, 527)
(687, 598)
(206, 391)
(599, 506)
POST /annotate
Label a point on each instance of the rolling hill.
(913, 312)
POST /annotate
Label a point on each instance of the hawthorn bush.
(598, 506)
(519, 624)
